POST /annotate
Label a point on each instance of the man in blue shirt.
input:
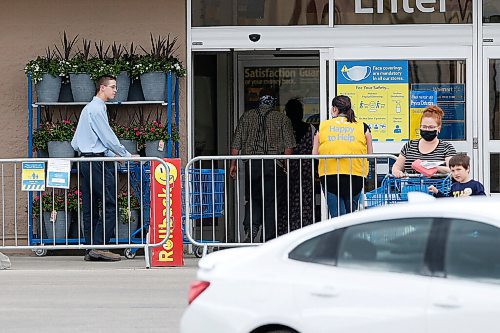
(95, 138)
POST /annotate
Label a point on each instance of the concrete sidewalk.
(67, 294)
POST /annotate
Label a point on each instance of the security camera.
(254, 37)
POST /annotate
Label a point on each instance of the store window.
(206, 13)
(353, 12)
(491, 11)
(390, 95)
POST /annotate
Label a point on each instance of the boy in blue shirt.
(464, 186)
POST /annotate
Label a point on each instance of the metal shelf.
(162, 103)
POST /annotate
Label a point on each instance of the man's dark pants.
(91, 184)
(263, 175)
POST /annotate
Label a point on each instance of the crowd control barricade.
(246, 200)
(42, 204)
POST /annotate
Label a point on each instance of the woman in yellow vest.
(342, 179)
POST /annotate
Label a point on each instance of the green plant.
(79, 63)
(153, 131)
(123, 200)
(130, 132)
(40, 137)
(120, 58)
(61, 131)
(58, 200)
(49, 64)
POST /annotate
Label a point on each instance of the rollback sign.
(170, 254)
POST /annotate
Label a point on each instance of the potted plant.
(128, 136)
(65, 51)
(155, 137)
(128, 214)
(46, 73)
(153, 66)
(60, 136)
(119, 67)
(41, 136)
(56, 222)
(82, 86)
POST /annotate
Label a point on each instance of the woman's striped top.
(411, 153)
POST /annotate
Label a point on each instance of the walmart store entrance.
(228, 83)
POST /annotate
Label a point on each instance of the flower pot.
(154, 86)
(122, 87)
(59, 228)
(82, 87)
(42, 153)
(66, 96)
(47, 90)
(151, 149)
(60, 149)
(124, 229)
(130, 145)
(135, 91)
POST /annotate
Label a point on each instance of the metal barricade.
(221, 209)
(53, 219)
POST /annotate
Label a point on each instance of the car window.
(393, 245)
(321, 249)
(472, 251)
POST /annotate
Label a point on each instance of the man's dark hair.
(103, 81)
(460, 160)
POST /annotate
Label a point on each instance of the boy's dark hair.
(460, 160)
(103, 80)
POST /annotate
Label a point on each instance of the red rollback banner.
(170, 254)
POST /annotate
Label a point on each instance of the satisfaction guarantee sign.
(163, 189)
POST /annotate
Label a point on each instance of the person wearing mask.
(342, 179)
(298, 209)
(262, 131)
(428, 147)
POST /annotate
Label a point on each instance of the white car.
(416, 267)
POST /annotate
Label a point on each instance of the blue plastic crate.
(206, 189)
(395, 190)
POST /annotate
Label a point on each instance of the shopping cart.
(394, 190)
(206, 199)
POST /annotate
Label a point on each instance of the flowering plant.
(130, 132)
(123, 205)
(57, 200)
(61, 131)
(44, 65)
(153, 131)
(41, 136)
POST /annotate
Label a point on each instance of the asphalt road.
(66, 294)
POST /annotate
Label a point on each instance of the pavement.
(67, 294)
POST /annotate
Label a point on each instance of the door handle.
(448, 302)
(325, 292)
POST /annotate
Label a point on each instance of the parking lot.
(65, 293)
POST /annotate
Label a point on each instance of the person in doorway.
(464, 185)
(262, 131)
(428, 147)
(95, 138)
(342, 179)
(298, 209)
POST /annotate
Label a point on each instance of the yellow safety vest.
(337, 136)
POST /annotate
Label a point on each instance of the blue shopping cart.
(206, 198)
(394, 190)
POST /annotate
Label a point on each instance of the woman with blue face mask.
(428, 147)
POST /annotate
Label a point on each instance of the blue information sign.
(383, 72)
(446, 92)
